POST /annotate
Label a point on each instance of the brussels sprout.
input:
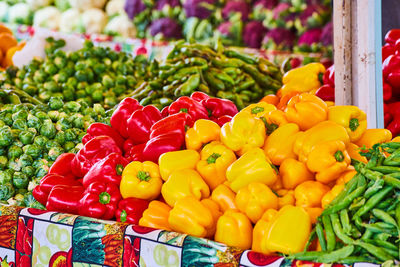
(40, 140)
(6, 176)
(28, 171)
(33, 122)
(25, 160)
(97, 95)
(14, 165)
(47, 129)
(32, 150)
(55, 103)
(63, 124)
(27, 136)
(51, 86)
(7, 191)
(70, 135)
(20, 180)
(22, 114)
(3, 151)
(68, 93)
(42, 171)
(81, 76)
(68, 146)
(14, 152)
(55, 152)
(81, 135)
(6, 136)
(7, 119)
(50, 144)
(20, 124)
(17, 142)
(30, 89)
(72, 106)
(54, 115)
(50, 69)
(40, 163)
(99, 68)
(60, 62)
(42, 115)
(15, 133)
(44, 95)
(2, 123)
(30, 202)
(3, 162)
(119, 89)
(60, 138)
(107, 81)
(39, 76)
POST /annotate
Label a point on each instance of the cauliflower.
(87, 4)
(62, 5)
(94, 20)
(120, 25)
(36, 4)
(70, 20)
(20, 13)
(115, 7)
(3, 11)
(47, 17)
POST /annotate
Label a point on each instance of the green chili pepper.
(189, 86)
(246, 58)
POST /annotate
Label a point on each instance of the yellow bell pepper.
(328, 160)
(306, 110)
(141, 180)
(261, 230)
(253, 166)
(213, 207)
(354, 152)
(331, 195)
(350, 117)
(258, 110)
(303, 79)
(191, 217)
(286, 197)
(279, 145)
(346, 175)
(177, 160)
(323, 131)
(234, 229)
(203, 132)
(215, 159)
(314, 213)
(374, 136)
(396, 139)
(183, 183)
(310, 193)
(278, 233)
(278, 184)
(254, 199)
(243, 132)
(293, 173)
(276, 118)
(330, 103)
(224, 196)
(156, 216)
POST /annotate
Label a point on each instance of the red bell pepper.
(135, 153)
(130, 210)
(97, 129)
(190, 106)
(326, 92)
(223, 119)
(164, 112)
(48, 182)
(155, 147)
(392, 36)
(92, 152)
(216, 107)
(122, 113)
(387, 50)
(62, 165)
(393, 79)
(100, 200)
(65, 198)
(107, 170)
(390, 64)
(140, 122)
(394, 125)
(387, 91)
(329, 76)
(199, 96)
(176, 122)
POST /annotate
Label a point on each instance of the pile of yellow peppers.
(245, 183)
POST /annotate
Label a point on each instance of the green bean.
(321, 236)
(310, 239)
(344, 219)
(380, 214)
(336, 255)
(346, 201)
(378, 252)
(385, 169)
(337, 228)
(307, 255)
(330, 235)
(373, 201)
(381, 243)
(348, 188)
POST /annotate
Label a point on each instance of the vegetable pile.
(8, 46)
(224, 73)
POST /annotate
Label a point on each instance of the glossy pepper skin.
(254, 199)
(310, 193)
(279, 145)
(202, 132)
(215, 159)
(177, 160)
(243, 132)
(225, 197)
(261, 231)
(98, 129)
(141, 180)
(303, 79)
(131, 209)
(190, 106)
(92, 152)
(326, 92)
(100, 200)
(140, 123)
(61, 201)
(182, 183)
(293, 173)
(329, 76)
(259, 110)
(387, 91)
(121, 115)
(216, 107)
(352, 118)
(331, 195)
(323, 131)
(156, 216)
(374, 136)
(107, 170)
(192, 217)
(62, 165)
(253, 166)
(306, 110)
(392, 36)
(328, 160)
(230, 222)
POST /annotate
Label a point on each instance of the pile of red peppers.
(87, 183)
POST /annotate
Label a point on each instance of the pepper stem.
(104, 198)
(269, 127)
(185, 110)
(353, 124)
(123, 215)
(321, 77)
(143, 176)
(119, 168)
(339, 156)
(213, 158)
(257, 110)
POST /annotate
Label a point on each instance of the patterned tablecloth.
(31, 237)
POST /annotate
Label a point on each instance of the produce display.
(8, 46)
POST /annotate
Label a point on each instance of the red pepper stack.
(88, 183)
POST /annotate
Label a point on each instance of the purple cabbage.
(225, 28)
(327, 34)
(267, 4)
(161, 3)
(134, 7)
(310, 37)
(309, 11)
(234, 6)
(253, 34)
(169, 28)
(194, 8)
(279, 37)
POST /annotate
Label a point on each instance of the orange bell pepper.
(215, 212)
(156, 216)
(270, 99)
(224, 196)
(314, 213)
(293, 173)
(310, 193)
(331, 195)
(286, 197)
(203, 132)
(346, 176)
(354, 152)
(374, 136)
(261, 231)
